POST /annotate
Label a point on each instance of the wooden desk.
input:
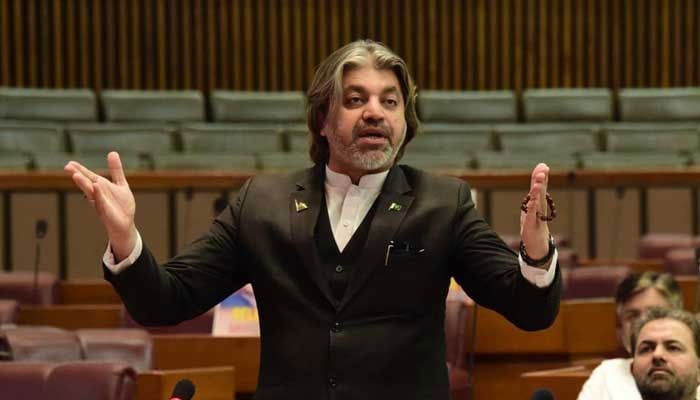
(87, 291)
(564, 383)
(214, 383)
(72, 317)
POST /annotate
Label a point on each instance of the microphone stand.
(40, 233)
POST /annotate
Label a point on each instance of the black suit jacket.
(385, 338)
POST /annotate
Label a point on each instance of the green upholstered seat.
(452, 138)
(258, 107)
(651, 137)
(548, 138)
(205, 161)
(124, 139)
(47, 104)
(660, 104)
(279, 161)
(234, 138)
(153, 105)
(297, 137)
(28, 139)
(621, 161)
(467, 106)
(526, 160)
(437, 162)
(56, 161)
(568, 104)
(13, 161)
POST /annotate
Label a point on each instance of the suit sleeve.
(490, 272)
(204, 274)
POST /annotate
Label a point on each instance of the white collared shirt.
(348, 204)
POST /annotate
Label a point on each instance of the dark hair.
(656, 313)
(636, 283)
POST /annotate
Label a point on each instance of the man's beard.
(674, 389)
(365, 160)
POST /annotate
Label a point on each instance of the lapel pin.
(395, 207)
(300, 205)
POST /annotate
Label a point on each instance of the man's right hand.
(113, 201)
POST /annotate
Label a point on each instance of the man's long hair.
(326, 90)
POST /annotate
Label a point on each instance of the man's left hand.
(534, 232)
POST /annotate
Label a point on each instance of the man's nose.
(373, 111)
(659, 356)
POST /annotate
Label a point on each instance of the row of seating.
(539, 105)
(46, 146)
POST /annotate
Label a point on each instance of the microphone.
(39, 234)
(184, 390)
(542, 394)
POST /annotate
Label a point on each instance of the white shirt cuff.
(539, 276)
(108, 258)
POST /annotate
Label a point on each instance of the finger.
(116, 170)
(84, 184)
(83, 170)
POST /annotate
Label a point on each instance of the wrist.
(123, 244)
(538, 261)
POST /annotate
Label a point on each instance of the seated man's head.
(639, 292)
(666, 344)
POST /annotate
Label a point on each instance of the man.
(612, 379)
(350, 260)
(666, 345)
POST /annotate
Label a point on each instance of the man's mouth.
(373, 137)
(659, 372)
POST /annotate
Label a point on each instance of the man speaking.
(351, 259)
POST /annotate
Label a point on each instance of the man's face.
(665, 364)
(634, 308)
(369, 126)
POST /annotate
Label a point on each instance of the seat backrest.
(568, 104)
(221, 138)
(8, 311)
(153, 105)
(31, 139)
(656, 245)
(131, 346)
(25, 380)
(526, 138)
(660, 104)
(467, 106)
(258, 107)
(20, 286)
(125, 140)
(681, 262)
(205, 161)
(48, 104)
(92, 380)
(36, 343)
(452, 138)
(651, 138)
(590, 282)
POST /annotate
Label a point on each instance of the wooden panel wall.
(275, 44)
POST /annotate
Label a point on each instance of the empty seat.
(543, 138)
(98, 161)
(656, 245)
(589, 282)
(14, 161)
(297, 138)
(622, 161)
(647, 137)
(48, 104)
(124, 139)
(284, 161)
(153, 105)
(437, 162)
(258, 107)
(131, 346)
(25, 380)
(8, 311)
(567, 104)
(452, 138)
(36, 343)
(467, 106)
(660, 104)
(29, 139)
(20, 286)
(67, 381)
(233, 138)
(525, 160)
(681, 262)
(205, 161)
(92, 380)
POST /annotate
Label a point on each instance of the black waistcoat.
(339, 266)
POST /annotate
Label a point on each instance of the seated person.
(637, 293)
(666, 345)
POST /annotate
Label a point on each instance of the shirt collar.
(368, 181)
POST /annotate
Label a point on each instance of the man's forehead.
(664, 330)
(368, 76)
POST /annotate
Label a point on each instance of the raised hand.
(534, 232)
(113, 201)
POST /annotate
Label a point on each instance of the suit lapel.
(392, 205)
(304, 207)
